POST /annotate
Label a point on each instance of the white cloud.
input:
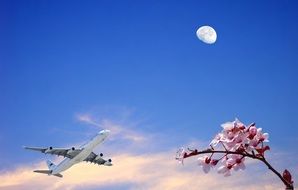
(87, 119)
(118, 130)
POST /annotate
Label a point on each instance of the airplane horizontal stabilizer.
(58, 175)
(43, 171)
(49, 172)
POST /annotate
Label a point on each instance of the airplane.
(73, 155)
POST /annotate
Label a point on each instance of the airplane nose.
(105, 131)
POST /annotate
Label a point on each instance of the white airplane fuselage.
(86, 150)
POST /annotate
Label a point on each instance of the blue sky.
(63, 58)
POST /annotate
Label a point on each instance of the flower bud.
(262, 150)
(287, 176)
(252, 132)
(207, 160)
(214, 162)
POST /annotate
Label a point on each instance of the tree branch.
(288, 185)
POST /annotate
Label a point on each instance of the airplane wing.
(66, 152)
(97, 159)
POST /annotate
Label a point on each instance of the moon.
(207, 34)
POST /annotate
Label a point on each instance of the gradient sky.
(141, 60)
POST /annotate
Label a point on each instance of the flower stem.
(288, 185)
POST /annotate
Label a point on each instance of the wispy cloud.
(118, 130)
(87, 119)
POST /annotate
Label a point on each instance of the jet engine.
(49, 149)
(99, 156)
(108, 162)
(71, 150)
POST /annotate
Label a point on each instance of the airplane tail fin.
(50, 164)
(48, 172)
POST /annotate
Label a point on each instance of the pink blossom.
(237, 138)
(180, 155)
(235, 143)
(216, 140)
(238, 162)
(205, 163)
(262, 137)
(252, 132)
(226, 170)
(239, 124)
(262, 150)
(228, 126)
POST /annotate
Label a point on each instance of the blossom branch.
(238, 141)
(244, 154)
